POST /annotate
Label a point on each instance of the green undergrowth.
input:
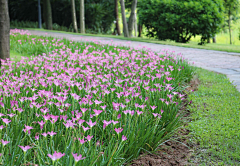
(215, 122)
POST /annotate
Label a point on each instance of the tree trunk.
(117, 18)
(82, 18)
(4, 31)
(74, 20)
(125, 27)
(208, 40)
(229, 26)
(47, 11)
(135, 25)
(132, 17)
(214, 39)
(139, 30)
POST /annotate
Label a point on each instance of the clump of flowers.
(103, 102)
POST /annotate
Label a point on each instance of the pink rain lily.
(153, 107)
(4, 142)
(89, 137)
(82, 141)
(124, 138)
(7, 121)
(119, 130)
(91, 124)
(78, 158)
(44, 134)
(85, 128)
(26, 148)
(56, 155)
(52, 133)
(97, 112)
(2, 127)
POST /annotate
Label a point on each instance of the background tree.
(231, 10)
(125, 27)
(74, 19)
(179, 20)
(47, 14)
(4, 31)
(117, 18)
(82, 17)
(132, 17)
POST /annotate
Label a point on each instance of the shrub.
(179, 20)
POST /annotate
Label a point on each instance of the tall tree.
(74, 20)
(47, 14)
(231, 10)
(82, 17)
(4, 31)
(117, 18)
(132, 17)
(125, 27)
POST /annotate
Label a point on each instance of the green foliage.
(215, 119)
(182, 19)
(99, 14)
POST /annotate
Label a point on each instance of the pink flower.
(89, 137)
(119, 116)
(56, 155)
(78, 158)
(44, 134)
(25, 149)
(82, 141)
(85, 128)
(153, 107)
(4, 142)
(52, 133)
(124, 138)
(91, 124)
(37, 137)
(97, 112)
(2, 127)
(119, 130)
(6, 120)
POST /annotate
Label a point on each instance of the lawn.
(215, 120)
(71, 103)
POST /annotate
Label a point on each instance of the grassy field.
(220, 46)
(215, 117)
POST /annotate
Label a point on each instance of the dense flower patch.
(86, 103)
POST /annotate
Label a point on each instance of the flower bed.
(86, 103)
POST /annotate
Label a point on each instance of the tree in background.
(125, 27)
(231, 10)
(117, 18)
(132, 18)
(179, 20)
(74, 19)
(4, 31)
(82, 17)
(47, 14)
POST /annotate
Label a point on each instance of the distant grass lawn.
(216, 119)
(191, 44)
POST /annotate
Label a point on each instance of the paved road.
(217, 61)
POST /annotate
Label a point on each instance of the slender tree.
(125, 27)
(47, 14)
(4, 31)
(231, 10)
(74, 20)
(132, 17)
(135, 25)
(82, 17)
(117, 18)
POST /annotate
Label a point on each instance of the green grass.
(216, 118)
(14, 56)
(191, 44)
